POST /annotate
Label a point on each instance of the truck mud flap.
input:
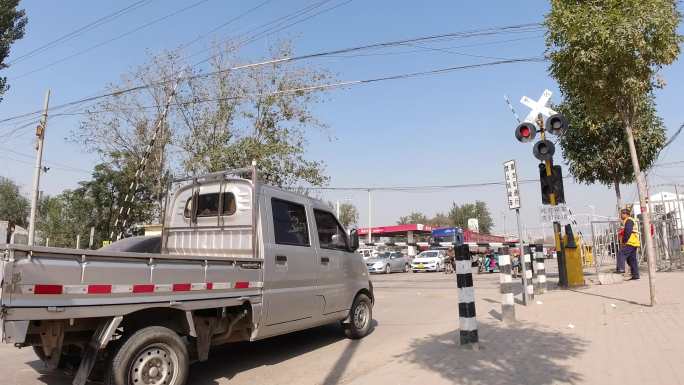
(14, 332)
(103, 334)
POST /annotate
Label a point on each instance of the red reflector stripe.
(47, 289)
(145, 288)
(241, 285)
(210, 285)
(181, 287)
(99, 289)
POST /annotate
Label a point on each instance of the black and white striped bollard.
(540, 269)
(528, 274)
(507, 299)
(466, 296)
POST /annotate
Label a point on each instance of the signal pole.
(40, 134)
(560, 249)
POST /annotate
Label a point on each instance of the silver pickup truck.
(236, 261)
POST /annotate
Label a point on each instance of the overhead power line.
(326, 86)
(277, 29)
(80, 31)
(463, 34)
(422, 188)
(265, 27)
(224, 24)
(103, 43)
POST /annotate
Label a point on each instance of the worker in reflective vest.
(630, 243)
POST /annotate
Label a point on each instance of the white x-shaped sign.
(538, 107)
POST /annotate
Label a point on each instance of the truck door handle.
(281, 259)
(325, 260)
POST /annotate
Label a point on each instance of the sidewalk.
(594, 335)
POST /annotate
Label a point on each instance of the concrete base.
(610, 278)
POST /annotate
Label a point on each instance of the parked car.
(366, 253)
(388, 262)
(236, 261)
(430, 260)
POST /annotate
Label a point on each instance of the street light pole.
(40, 134)
(370, 216)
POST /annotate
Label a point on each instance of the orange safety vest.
(634, 237)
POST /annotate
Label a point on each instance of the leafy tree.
(413, 218)
(440, 220)
(222, 121)
(459, 215)
(12, 24)
(596, 151)
(349, 215)
(607, 53)
(93, 204)
(14, 207)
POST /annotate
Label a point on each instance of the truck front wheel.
(153, 355)
(360, 317)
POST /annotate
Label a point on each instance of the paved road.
(408, 306)
(602, 334)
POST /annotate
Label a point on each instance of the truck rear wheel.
(360, 317)
(153, 355)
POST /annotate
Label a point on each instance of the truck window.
(289, 223)
(330, 234)
(207, 205)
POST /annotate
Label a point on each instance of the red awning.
(395, 230)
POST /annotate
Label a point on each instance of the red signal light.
(525, 132)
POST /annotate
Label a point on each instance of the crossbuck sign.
(512, 190)
(538, 107)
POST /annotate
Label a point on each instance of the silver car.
(388, 262)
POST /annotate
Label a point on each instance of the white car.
(431, 260)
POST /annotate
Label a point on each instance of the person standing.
(630, 243)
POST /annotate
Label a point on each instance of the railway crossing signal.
(551, 184)
(556, 124)
(544, 150)
(550, 176)
(525, 132)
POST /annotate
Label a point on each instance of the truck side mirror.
(353, 240)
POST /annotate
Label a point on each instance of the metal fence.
(667, 237)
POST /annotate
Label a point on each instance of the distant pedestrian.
(630, 243)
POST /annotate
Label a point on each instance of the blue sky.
(441, 130)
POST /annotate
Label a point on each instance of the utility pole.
(40, 137)
(337, 208)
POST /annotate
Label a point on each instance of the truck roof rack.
(241, 172)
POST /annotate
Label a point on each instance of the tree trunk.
(618, 196)
(646, 216)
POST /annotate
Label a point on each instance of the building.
(664, 203)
